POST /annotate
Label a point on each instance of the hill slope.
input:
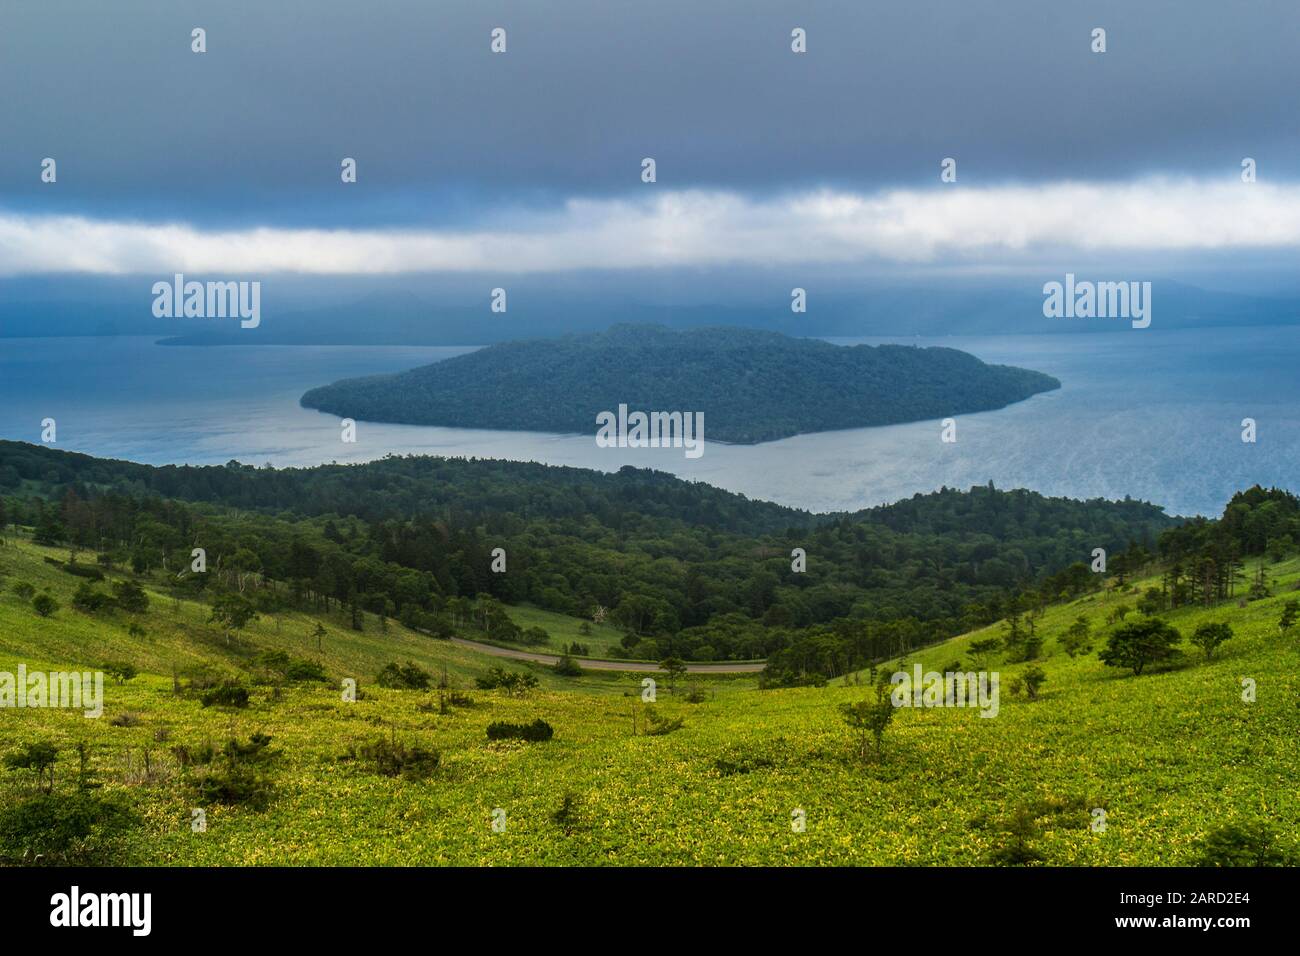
(1169, 756)
(683, 569)
(752, 386)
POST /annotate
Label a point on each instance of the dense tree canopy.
(751, 385)
(685, 569)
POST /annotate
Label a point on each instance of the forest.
(685, 570)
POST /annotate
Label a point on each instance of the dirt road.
(590, 665)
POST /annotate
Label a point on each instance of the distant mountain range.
(751, 385)
(404, 318)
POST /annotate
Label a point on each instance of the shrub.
(120, 671)
(735, 761)
(306, 670)
(773, 676)
(568, 817)
(237, 775)
(408, 676)
(566, 666)
(188, 756)
(277, 665)
(1031, 678)
(1015, 849)
(536, 732)
(1145, 641)
(1290, 610)
(226, 694)
(534, 637)
(89, 600)
(1208, 637)
(39, 757)
(232, 785)
(80, 828)
(44, 605)
(514, 683)
(674, 668)
(1152, 602)
(87, 571)
(1243, 843)
(393, 758)
(1025, 823)
(23, 589)
(200, 677)
(1076, 640)
(660, 725)
(130, 597)
(868, 719)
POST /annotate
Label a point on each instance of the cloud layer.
(948, 225)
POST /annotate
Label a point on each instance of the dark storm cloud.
(253, 130)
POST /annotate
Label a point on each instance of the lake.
(1150, 414)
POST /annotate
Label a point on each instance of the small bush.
(303, 670)
(120, 671)
(660, 725)
(393, 758)
(44, 605)
(39, 757)
(198, 756)
(200, 677)
(234, 785)
(80, 828)
(1026, 823)
(568, 817)
(534, 637)
(566, 666)
(408, 676)
(237, 775)
(1243, 843)
(89, 600)
(514, 683)
(735, 761)
(536, 732)
(130, 597)
(87, 571)
(226, 694)
(1209, 636)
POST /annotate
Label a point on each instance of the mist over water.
(1148, 414)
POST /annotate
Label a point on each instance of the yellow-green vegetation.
(600, 639)
(178, 633)
(1169, 756)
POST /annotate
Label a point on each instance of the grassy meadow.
(1169, 755)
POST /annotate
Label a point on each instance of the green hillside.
(179, 633)
(1171, 756)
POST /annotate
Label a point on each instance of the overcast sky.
(530, 161)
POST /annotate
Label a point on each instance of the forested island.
(751, 385)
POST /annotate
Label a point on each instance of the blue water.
(1151, 414)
